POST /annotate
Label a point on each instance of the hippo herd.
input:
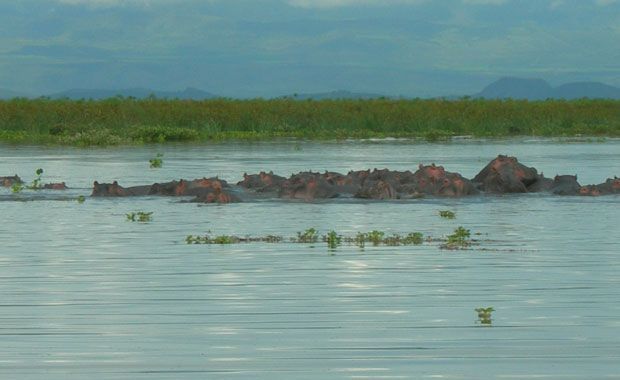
(502, 175)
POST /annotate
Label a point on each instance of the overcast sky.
(247, 48)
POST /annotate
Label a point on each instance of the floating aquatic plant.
(484, 315)
(231, 239)
(332, 239)
(158, 161)
(140, 216)
(81, 199)
(458, 240)
(447, 214)
(311, 236)
(308, 236)
(36, 182)
(17, 187)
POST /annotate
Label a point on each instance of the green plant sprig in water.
(447, 214)
(17, 187)
(157, 162)
(332, 239)
(140, 216)
(484, 315)
(460, 239)
(308, 236)
(36, 183)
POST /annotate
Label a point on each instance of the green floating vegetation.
(311, 236)
(231, 239)
(484, 315)
(120, 120)
(157, 161)
(379, 238)
(81, 199)
(140, 216)
(332, 239)
(459, 239)
(447, 214)
(18, 187)
(308, 236)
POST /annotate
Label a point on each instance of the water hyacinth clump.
(484, 315)
(311, 236)
(139, 216)
(447, 214)
(459, 239)
(231, 239)
(157, 162)
(308, 236)
(332, 239)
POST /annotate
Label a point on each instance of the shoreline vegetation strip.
(128, 121)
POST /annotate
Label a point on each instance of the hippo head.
(107, 189)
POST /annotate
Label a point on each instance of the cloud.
(344, 3)
(106, 3)
(485, 2)
(604, 3)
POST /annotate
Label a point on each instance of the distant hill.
(592, 90)
(9, 94)
(138, 93)
(339, 94)
(539, 89)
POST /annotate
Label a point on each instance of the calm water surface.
(86, 294)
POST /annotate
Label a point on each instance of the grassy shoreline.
(121, 121)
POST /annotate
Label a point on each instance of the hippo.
(589, 190)
(10, 181)
(377, 189)
(262, 182)
(379, 184)
(198, 187)
(435, 180)
(542, 183)
(216, 196)
(387, 184)
(505, 175)
(343, 184)
(55, 186)
(307, 186)
(116, 190)
(565, 185)
(169, 189)
(611, 186)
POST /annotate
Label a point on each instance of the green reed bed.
(129, 121)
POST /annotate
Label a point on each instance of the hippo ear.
(95, 183)
(271, 172)
(420, 166)
(556, 177)
(115, 183)
(245, 175)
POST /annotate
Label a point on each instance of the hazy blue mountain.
(538, 89)
(592, 90)
(339, 94)
(139, 93)
(10, 94)
(517, 88)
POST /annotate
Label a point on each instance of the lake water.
(86, 294)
